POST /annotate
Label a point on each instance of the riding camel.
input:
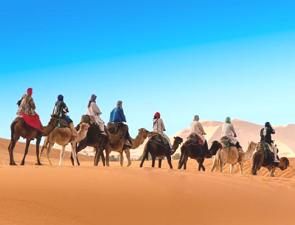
(114, 141)
(20, 129)
(264, 158)
(95, 139)
(194, 150)
(63, 137)
(117, 142)
(231, 155)
(157, 147)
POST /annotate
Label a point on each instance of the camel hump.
(195, 139)
(116, 128)
(159, 139)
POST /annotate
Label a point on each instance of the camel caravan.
(114, 137)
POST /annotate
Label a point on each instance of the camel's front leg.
(62, 153)
(26, 152)
(213, 165)
(38, 151)
(241, 168)
(272, 171)
(221, 164)
(107, 157)
(10, 150)
(231, 168)
(74, 153)
(127, 152)
(121, 159)
(48, 153)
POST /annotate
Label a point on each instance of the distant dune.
(33, 195)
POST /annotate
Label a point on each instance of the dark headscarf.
(92, 99)
(60, 98)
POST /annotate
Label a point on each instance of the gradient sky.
(212, 58)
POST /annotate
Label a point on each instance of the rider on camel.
(159, 127)
(117, 117)
(265, 135)
(197, 129)
(94, 112)
(228, 132)
(60, 111)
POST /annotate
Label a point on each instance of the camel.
(116, 142)
(198, 152)
(94, 139)
(232, 156)
(20, 129)
(159, 149)
(264, 158)
(63, 137)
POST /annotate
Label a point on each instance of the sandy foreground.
(86, 195)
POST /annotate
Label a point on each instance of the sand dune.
(46, 195)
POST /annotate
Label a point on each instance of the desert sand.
(32, 195)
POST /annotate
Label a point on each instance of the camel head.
(252, 147)
(84, 126)
(177, 142)
(284, 163)
(144, 133)
(215, 147)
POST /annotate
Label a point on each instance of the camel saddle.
(117, 132)
(268, 152)
(63, 123)
(32, 120)
(226, 143)
(159, 139)
(195, 139)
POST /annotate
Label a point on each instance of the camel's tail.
(12, 132)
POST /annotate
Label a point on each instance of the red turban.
(30, 91)
(157, 115)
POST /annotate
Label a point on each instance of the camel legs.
(10, 150)
(121, 159)
(231, 168)
(26, 151)
(38, 151)
(62, 153)
(96, 157)
(50, 146)
(201, 164)
(180, 162)
(160, 163)
(80, 147)
(99, 154)
(144, 157)
(102, 157)
(272, 171)
(107, 158)
(74, 154)
(127, 152)
(241, 168)
(214, 165)
(153, 161)
(185, 159)
(169, 161)
(220, 166)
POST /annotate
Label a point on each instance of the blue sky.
(213, 58)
